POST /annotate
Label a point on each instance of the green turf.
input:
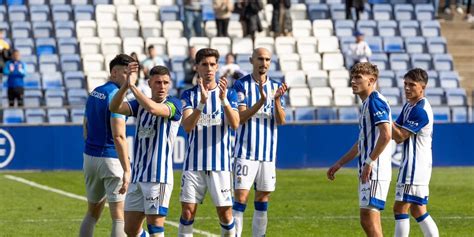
(305, 204)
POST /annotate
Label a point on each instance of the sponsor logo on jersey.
(213, 119)
(379, 113)
(144, 132)
(98, 95)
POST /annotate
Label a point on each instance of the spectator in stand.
(152, 61)
(360, 51)
(250, 17)
(229, 68)
(15, 70)
(469, 16)
(223, 10)
(357, 4)
(281, 18)
(192, 18)
(447, 7)
(189, 65)
(4, 50)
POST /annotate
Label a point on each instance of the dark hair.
(365, 69)
(418, 75)
(160, 70)
(120, 60)
(206, 52)
(150, 47)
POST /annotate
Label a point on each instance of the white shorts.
(373, 194)
(103, 177)
(194, 185)
(150, 198)
(249, 172)
(417, 194)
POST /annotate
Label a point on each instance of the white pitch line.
(82, 198)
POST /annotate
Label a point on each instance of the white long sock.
(118, 228)
(402, 225)
(259, 222)
(185, 228)
(87, 226)
(428, 226)
(238, 212)
(228, 230)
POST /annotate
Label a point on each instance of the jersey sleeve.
(240, 93)
(417, 119)
(133, 105)
(175, 107)
(232, 98)
(186, 100)
(115, 115)
(379, 111)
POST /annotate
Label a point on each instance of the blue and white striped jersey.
(257, 138)
(416, 157)
(209, 142)
(374, 110)
(154, 142)
(100, 142)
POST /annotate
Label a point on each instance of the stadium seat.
(39, 13)
(86, 29)
(35, 116)
(433, 79)
(49, 63)
(367, 27)
(459, 115)
(21, 29)
(344, 28)
(173, 29)
(409, 28)
(382, 12)
(317, 78)
(169, 13)
(13, 116)
(323, 28)
(305, 114)
(289, 62)
(126, 13)
(31, 63)
(3, 13)
(399, 62)
(339, 78)
(135, 44)
(424, 12)
(32, 81)
(83, 13)
(435, 96)
(456, 96)
(151, 29)
(310, 62)
(430, 29)
(345, 42)
(70, 62)
(328, 44)
(436, 45)
(393, 95)
(242, 46)
(67, 46)
(52, 80)
(235, 29)
(449, 79)
(32, 98)
(54, 98)
(111, 46)
(107, 29)
(333, 61)
(295, 79)
(338, 11)
(56, 2)
(199, 42)
(326, 114)
(24, 45)
(348, 114)
(178, 47)
(302, 28)
(321, 96)
(306, 45)
(298, 11)
(222, 44)
(77, 96)
(95, 79)
(443, 62)
(64, 29)
(129, 29)
(289, 117)
(415, 44)
(441, 114)
(300, 97)
(375, 44)
(344, 97)
(58, 116)
(148, 13)
(210, 29)
(45, 46)
(387, 28)
(285, 45)
(74, 79)
(265, 42)
(105, 13)
(318, 11)
(386, 78)
(399, 78)
(122, 2)
(93, 63)
(18, 13)
(393, 45)
(395, 111)
(61, 12)
(422, 61)
(403, 12)
(381, 60)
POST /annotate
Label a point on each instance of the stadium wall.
(300, 146)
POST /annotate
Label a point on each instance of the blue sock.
(153, 229)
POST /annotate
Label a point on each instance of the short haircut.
(160, 70)
(150, 47)
(418, 75)
(206, 52)
(365, 69)
(120, 60)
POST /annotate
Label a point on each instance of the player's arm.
(84, 128)
(399, 134)
(117, 104)
(191, 116)
(120, 141)
(279, 111)
(246, 113)
(385, 135)
(231, 115)
(157, 109)
(346, 158)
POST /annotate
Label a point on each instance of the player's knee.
(187, 214)
(131, 230)
(262, 196)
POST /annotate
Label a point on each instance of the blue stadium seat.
(348, 114)
(83, 12)
(318, 12)
(441, 114)
(345, 42)
(422, 61)
(344, 28)
(5, 27)
(393, 95)
(55, 97)
(31, 63)
(45, 46)
(378, 1)
(409, 28)
(305, 114)
(424, 12)
(448, 79)
(459, 114)
(3, 13)
(77, 115)
(32, 98)
(64, 29)
(35, 116)
(386, 78)
(169, 13)
(430, 29)
(42, 29)
(387, 28)
(77, 96)
(393, 45)
(48, 63)
(399, 78)
(415, 44)
(436, 45)
(368, 27)
(57, 2)
(39, 13)
(177, 63)
(67, 46)
(21, 29)
(456, 96)
(435, 96)
(32, 81)
(375, 44)
(13, 116)
(399, 62)
(74, 80)
(15, 2)
(24, 45)
(403, 12)
(338, 11)
(17, 13)
(326, 114)
(61, 12)
(381, 60)
(382, 12)
(52, 80)
(97, 2)
(58, 116)
(70, 62)
(276, 75)
(443, 62)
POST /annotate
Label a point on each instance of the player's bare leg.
(260, 219)
(402, 219)
(226, 220)
(116, 212)
(156, 225)
(427, 224)
(188, 211)
(370, 221)
(240, 203)
(133, 222)
(90, 219)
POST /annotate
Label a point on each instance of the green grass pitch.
(304, 204)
